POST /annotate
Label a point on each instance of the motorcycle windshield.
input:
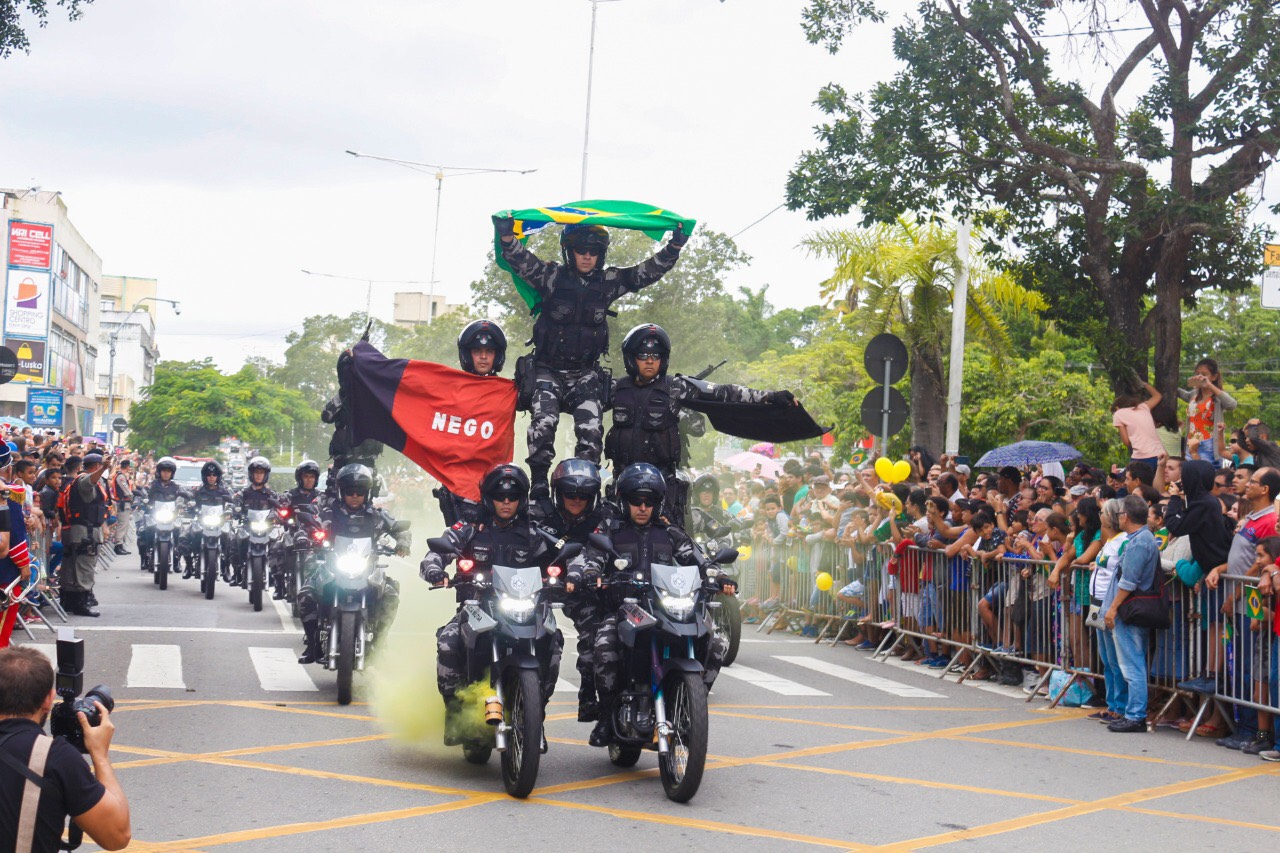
(164, 512)
(351, 555)
(675, 581)
(517, 583)
(211, 516)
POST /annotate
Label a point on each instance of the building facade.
(419, 309)
(51, 311)
(128, 324)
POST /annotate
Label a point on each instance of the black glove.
(504, 226)
(433, 575)
(678, 237)
(781, 398)
(574, 578)
(590, 574)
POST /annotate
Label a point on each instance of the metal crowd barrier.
(973, 618)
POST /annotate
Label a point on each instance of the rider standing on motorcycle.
(504, 538)
(352, 516)
(256, 495)
(482, 350)
(641, 538)
(647, 405)
(210, 492)
(303, 495)
(571, 332)
(577, 510)
(162, 488)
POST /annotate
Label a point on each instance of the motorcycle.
(213, 520)
(727, 618)
(260, 529)
(663, 703)
(162, 518)
(510, 612)
(304, 535)
(350, 567)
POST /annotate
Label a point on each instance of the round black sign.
(119, 425)
(884, 348)
(873, 416)
(8, 365)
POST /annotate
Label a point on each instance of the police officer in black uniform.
(647, 405)
(505, 537)
(256, 495)
(642, 538)
(482, 350)
(576, 509)
(352, 515)
(303, 497)
(210, 492)
(571, 332)
(162, 488)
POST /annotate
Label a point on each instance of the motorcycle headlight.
(260, 526)
(211, 520)
(519, 609)
(352, 565)
(165, 516)
(679, 608)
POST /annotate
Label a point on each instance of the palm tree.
(899, 276)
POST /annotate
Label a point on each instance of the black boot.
(91, 599)
(311, 651)
(80, 605)
(588, 710)
(602, 734)
(538, 488)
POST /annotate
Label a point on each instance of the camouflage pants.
(576, 391)
(451, 660)
(584, 610)
(608, 657)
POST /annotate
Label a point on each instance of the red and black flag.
(759, 421)
(456, 425)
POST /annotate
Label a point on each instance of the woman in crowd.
(1132, 417)
(1206, 405)
(1104, 569)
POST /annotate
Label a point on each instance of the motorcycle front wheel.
(685, 700)
(728, 625)
(163, 563)
(256, 570)
(348, 625)
(523, 718)
(210, 572)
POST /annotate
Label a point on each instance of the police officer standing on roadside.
(121, 492)
(482, 350)
(571, 332)
(86, 513)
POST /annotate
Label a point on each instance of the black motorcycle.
(162, 516)
(212, 522)
(727, 618)
(260, 532)
(508, 612)
(663, 703)
(304, 538)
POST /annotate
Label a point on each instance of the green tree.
(13, 35)
(900, 277)
(1120, 215)
(192, 405)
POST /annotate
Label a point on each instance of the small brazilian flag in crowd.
(1162, 538)
(632, 215)
(1253, 604)
(857, 457)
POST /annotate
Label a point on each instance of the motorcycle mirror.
(440, 545)
(601, 540)
(725, 555)
(570, 550)
(400, 526)
(721, 532)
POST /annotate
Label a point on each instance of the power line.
(758, 221)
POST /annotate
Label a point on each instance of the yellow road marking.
(267, 706)
(709, 825)
(1095, 753)
(346, 777)
(821, 723)
(166, 757)
(1025, 822)
(924, 783)
(1200, 818)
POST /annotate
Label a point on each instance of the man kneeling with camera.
(44, 780)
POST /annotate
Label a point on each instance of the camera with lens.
(69, 683)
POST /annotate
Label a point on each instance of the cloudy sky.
(202, 142)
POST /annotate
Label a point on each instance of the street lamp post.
(115, 336)
(591, 64)
(369, 283)
(439, 173)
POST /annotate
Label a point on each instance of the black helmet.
(502, 481)
(482, 333)
(209, 469)
(641, 480)
(646, 338)
(308, 466)
(707, 482)
(355, 479)
(576, 478)
(166, 463)
(260, 463)
(584, 237)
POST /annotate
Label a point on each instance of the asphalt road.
(224, 743)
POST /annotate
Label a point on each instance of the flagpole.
(591, 64)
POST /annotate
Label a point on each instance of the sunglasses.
(589, 251)
(642, 502)
(648, 356)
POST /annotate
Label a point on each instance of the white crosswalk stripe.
(49, 650)
(155, 666)
(563, 686)
(279, 671)
(875, 682)
(772, 683)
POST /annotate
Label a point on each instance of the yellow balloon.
(744, 553)
(884, 469)
(823, 581)
(901, 471)
(791, 563)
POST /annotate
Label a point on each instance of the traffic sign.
(119, 425)
(885, 348)
(8, 365)
(874, 411)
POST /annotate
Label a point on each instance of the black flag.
(759, 421)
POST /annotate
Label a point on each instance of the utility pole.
(959, 310)
(591, 63)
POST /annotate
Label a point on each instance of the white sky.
(202, 143)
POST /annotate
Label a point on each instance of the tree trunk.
(928, 399)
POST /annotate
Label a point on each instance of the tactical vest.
(302, 497)
(571, 331)
(91, 513)
(646, 425)
(205, 496)
(513, 546)
(644, 546)
(162, 491)
(353, 524)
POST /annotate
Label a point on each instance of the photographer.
(32, 815)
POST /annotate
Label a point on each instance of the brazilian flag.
(631, 215)
(1253, 603)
